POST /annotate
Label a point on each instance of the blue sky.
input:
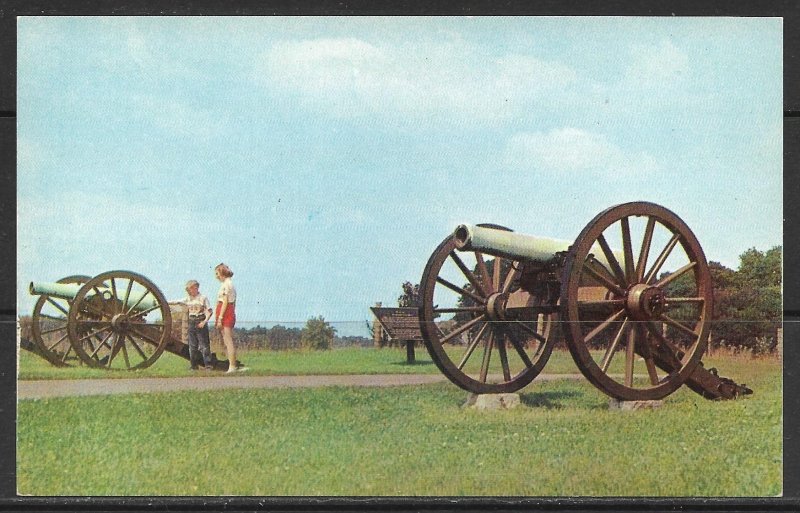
(324, 159)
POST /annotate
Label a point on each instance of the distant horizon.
(324, 159)
(358, 328)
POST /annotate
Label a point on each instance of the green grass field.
(266, 363)
(415, 441)
(337, 361)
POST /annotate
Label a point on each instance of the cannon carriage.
(116, 320)
(631, 296)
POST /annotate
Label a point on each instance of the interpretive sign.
(399, 323)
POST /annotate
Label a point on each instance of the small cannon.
(636, 328)
(116, 320)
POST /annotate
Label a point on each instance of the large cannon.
(636, 326)
(116, 320)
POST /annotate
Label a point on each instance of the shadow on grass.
(550, 400)
(418, 363)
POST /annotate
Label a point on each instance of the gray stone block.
(492, 401)
(616, 404)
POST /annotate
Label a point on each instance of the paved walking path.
(40, 389)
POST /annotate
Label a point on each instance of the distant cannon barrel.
(59, 290)
(507, 244)
(139, 300)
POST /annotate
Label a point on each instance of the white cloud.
(141, 54)
(138, 48)
(346, 77)
(572, 150)
(657, 65)
(178, 118)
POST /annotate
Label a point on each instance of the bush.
(317, 334)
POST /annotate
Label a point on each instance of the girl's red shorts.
(229, 319)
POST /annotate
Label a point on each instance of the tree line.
(317, 334)
(747, 302)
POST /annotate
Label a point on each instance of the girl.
(225, 317)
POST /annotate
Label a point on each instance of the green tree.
(410, 296)
(281, 337)
(756, 304)
(725, 288)
(317, 334)
(747, 302)
(761, 269)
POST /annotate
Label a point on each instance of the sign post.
(402, 325)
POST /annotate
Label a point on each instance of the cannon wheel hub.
(119, 322)
(645, 302)
(496, 307)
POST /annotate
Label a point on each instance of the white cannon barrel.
(507, 244)
(68, 291)
(517, 246)
(59, 290)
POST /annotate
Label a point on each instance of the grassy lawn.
(404, 441)
(266, 363)
(337, 361)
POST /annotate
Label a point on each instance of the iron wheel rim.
(48, 350)
(640, 320)
(118, 327)
(510, 381)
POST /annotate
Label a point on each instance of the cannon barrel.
(517, 246)
(68, 291)
(507, 244)
(60, 290)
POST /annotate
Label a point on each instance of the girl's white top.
(227, 289)
(197, 305)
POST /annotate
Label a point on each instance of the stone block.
(492, 401)
(180, 322)
(616, 404)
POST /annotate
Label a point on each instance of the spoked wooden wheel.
(473, 309)
(119, 320)
(49, 326)
(636, 326)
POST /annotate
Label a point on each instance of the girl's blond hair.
(224, 270)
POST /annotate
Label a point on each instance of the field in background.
(405, 441)
(259, 363)
(336, 361)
